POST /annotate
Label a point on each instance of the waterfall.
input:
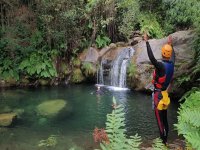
(114, 73)
(122, 75)
(100, 74)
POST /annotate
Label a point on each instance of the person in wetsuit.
(162, 77)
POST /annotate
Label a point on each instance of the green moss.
(88, 69)
(77, 76)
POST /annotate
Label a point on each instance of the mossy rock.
(51, 108)
(64, 68)
(7, 119)
(77, 76)
(89, 69)
(76, 62)
(113, 45)
(43, 82)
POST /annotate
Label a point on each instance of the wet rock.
(112, 45)
(77, 76)
(121, 44)
(104, 50)
(91, 55)
(7, 119)
(51, 108)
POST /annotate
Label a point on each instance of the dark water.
(86, 111)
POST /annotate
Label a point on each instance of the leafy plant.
(88, 69)
(130, 11)
(102, 41)
(77, 76)
(51, 141)
(180, 13)
(38, 64)
(76, 62)
(131, 70)
(189, 120)
(7, 71)
(183, 79)
(149, 24)
(158, 144)
(115, 129)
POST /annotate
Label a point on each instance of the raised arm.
(158, 65)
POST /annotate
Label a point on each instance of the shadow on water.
(85, 111)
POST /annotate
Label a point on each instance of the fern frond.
(158, 145)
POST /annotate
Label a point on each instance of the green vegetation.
(51, 141)
(189, 119)
(115, 129)
(39, 65)
(131, 70)
(114, 137)
(88, 69)
(45, 32)
(149, 24)
(77, 76)
(158, 145)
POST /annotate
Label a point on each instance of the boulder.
(103, 51)
(7, 119)
(51, 108)
(182, 44)
(112, 45)
(92, 55)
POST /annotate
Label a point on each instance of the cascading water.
(114, 73)
(122, 75)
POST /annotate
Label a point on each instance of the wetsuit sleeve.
(172, 59)
(158, 65)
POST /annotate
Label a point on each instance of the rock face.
(182, 44)
(7, 119)
(92, 55)
(51, 108)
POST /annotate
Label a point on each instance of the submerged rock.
(7, 119)
(51, 108)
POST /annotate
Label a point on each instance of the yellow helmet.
(167, 51)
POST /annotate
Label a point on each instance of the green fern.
(115, 128)
(158, 144)
(102, 41)
(148, 23)
(189, 120)
(131, 70)
(88, 69)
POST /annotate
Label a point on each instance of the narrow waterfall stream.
(114, 73)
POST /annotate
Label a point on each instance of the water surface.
(87, 110)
